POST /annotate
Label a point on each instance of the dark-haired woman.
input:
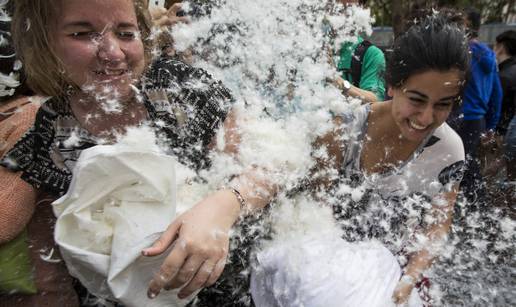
(399, 167)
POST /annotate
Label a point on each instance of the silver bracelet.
(239, 197)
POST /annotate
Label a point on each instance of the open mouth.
(110, 73)
(415, 126)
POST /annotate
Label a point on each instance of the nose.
(109, 48)
(426, 115)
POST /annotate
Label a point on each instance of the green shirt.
(373, 66)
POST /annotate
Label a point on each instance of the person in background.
(361, 65)
(164, 17)
(480, 110)
(505, 49)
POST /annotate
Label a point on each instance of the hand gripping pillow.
(119, 201)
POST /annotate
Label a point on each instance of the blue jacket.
(483, 92)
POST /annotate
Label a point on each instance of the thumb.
(164, 241)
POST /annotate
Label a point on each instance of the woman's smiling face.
(424, 102)
(99, 45)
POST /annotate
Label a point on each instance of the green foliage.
(493, 11)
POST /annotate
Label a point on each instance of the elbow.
(16, 208)
(15, 217)
(12, 227)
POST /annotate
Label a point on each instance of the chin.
(413, 135)
(109, 91)
(122, 86)
(416, 136)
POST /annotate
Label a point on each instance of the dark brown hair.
(432, 44)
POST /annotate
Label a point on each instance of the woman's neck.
(384, 146)
(106, 117)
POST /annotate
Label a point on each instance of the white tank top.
(436, 163)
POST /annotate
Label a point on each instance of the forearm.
(418, 264)
(422, 260)
(431, 244)
(364, 95)
(245, 194)
(255, 185)
(435, 235)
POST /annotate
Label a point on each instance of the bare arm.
(364, 95)
(328, 157)
(17, 197)
(436, 233)
(18, 201)
(201, 234)
(252, 184)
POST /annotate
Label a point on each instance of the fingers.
(172, 14)
(397, 298)
(186, 273)
(157, 12)
(199, 280)
(175, 8)
(217, 271)
(164, 241)
(178, 19)
(401, 294)
(206, 276)
(161, 21)
(164, 17)
(168, 270)
(177, 271)
(169, 21)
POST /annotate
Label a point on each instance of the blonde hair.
(31, 25)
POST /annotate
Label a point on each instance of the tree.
(395, 13)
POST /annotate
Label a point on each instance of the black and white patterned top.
(185, 107)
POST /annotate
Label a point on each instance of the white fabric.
(326, 271)
(120, 199)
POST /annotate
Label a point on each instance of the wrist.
(345, 86)
(239, 198)
(408, 279)
(234, 203)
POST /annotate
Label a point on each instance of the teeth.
(111, 72)
(416, 126)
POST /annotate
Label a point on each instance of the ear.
(390, 91)
(497, 48)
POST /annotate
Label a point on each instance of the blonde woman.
(93, 59)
